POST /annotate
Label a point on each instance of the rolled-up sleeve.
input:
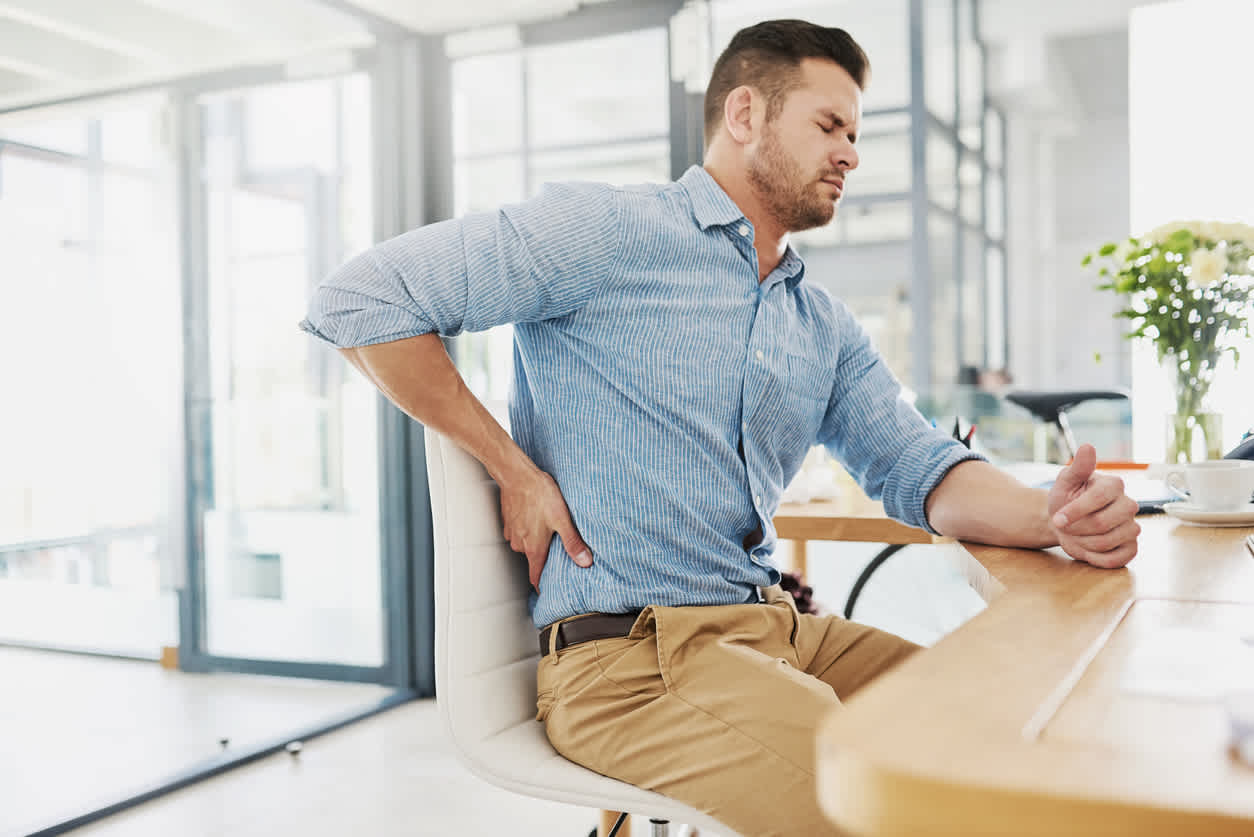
(537, 260)
(887, 446)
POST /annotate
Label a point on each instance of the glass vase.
(1194, 437)
(1194, 430)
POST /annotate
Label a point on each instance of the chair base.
(660, 828)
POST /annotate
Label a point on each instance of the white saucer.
(1189, 513)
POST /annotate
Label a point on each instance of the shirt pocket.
(807, 387)
(807, 379)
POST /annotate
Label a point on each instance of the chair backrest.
(487, 648)
(485, 643)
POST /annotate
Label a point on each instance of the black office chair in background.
(1051, 408)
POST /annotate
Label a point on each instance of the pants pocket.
(776, 596)
(631, 665)
(545, 683)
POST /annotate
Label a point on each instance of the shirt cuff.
(957, 454)
(917, 473)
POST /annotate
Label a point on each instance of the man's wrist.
(513, 468)
(1046, 533)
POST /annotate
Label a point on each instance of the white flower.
(1238, 233)
(1208, 267)
(1161, 233)
(1231, 233)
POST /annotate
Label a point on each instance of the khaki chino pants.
(716, 707)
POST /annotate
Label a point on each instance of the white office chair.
(486, 651)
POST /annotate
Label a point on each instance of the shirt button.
(759, 354)
(744, 229)
(757, 499)
(744, 426)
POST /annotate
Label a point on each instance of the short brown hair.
(768, 55)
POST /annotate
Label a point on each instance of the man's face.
(799, 164)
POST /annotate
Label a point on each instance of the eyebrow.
(837, 121)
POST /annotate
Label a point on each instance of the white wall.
(1067, 168)
(1191, 160)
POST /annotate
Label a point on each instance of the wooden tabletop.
(853, 517)
(1020, 722)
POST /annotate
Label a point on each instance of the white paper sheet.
(1190, 664)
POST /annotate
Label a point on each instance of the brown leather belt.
(587, 628)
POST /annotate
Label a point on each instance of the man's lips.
(837, 182)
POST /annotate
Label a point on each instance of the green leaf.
(1180, 240)
(1087, 260)
(1107, 249)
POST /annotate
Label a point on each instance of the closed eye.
(832, 123)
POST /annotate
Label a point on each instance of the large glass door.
(284, 438)
(90, 497)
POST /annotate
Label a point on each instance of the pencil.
(1249, 543)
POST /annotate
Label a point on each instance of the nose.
(845, 158)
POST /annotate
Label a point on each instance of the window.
(593, 110)
(91, 498)
(288, 434)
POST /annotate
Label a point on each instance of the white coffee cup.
(1216, 485)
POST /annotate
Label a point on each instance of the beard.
(784, 189)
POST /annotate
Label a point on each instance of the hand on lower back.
(533, 511)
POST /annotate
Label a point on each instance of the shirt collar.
(711, 206)
(792, 267)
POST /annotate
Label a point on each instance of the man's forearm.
(417, 375)
(978, 502)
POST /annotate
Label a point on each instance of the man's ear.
(738, 114)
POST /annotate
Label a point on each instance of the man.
(672, 368)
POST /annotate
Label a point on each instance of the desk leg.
(799, 558)
(608, 818)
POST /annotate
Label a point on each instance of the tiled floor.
(75, 729)
(395, 775)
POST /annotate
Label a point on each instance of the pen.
(970, 433)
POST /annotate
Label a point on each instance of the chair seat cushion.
(521, 759)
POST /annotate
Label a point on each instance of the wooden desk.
(854, 517)
(1017, 722)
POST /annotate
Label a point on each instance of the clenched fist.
(1091, 515)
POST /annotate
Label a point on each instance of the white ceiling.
(57, 49)
(54, 49)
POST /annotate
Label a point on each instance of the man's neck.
(770, 239)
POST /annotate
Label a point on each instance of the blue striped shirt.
(670, 394)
